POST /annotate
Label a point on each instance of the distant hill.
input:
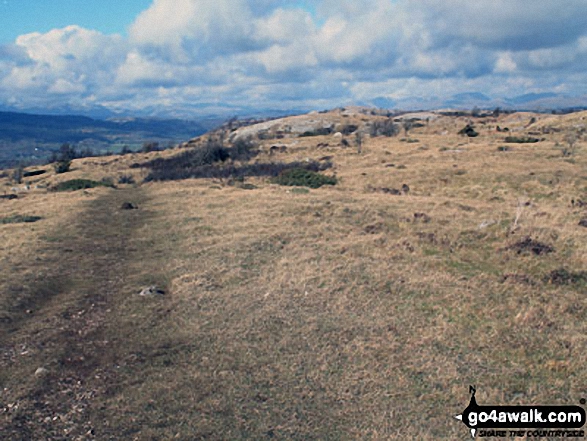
(30, 137)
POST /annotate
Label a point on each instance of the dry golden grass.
(341, 313)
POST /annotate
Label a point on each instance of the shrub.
(126, 179)
(348, 129)
(299, 177)
(318, 132)
(62, 166)
(150, 147)
(79, 184)
(29, 174)
(563, 276)
(18, 218)
(521, 140)
(17, 175)
(469, 130)
(384, 128)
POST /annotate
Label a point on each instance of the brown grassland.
(344, 312)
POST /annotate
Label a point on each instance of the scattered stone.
(41, 372)
(8, 196)
(405, 189)
(487, 223)
(277, 149)
(375, 228)
(129, 206)
(583, 222)
(578, 203)
(423, 217)
(517, 278)
(530, 245)
(152, 291)
(387, 190)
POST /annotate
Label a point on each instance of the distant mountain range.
(540, 102)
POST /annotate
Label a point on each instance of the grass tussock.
(80, 184)
(300, 177)
(521, 139)
(19, 218)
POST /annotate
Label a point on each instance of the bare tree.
(571, 139)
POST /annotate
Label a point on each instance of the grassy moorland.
(361, 310)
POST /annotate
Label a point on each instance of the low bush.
(317, 132)
(521, 140)
(79, 184)
(62, 166)
(349, 129)
(18, 218)
(30, 174)
(126, 179)
(469, 130)
(299, 177)
(563, 276)
(384, 128)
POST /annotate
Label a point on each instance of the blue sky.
(184, 57)
(108, 16)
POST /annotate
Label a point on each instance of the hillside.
(27, 137)
(361, 310)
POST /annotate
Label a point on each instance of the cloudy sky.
(182, 56)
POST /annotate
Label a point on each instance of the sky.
(182, 57)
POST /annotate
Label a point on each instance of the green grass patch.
(19, 218)
(299, 177)
(80, 184)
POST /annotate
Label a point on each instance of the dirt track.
(64, 320)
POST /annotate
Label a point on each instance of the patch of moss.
(79, 184)
(299, 177)
(19, 218)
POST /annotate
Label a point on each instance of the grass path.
(64, 319)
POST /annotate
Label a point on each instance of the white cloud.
(280, 52)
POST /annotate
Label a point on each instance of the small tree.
(67, 152)
(62, 166)
(150, 147)
(17, 174)
(571, 140)
(407, 125)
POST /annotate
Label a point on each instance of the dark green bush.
(299, 177)
(79, 184)
(384, 128)
(126, 179)
(19, 218)
(563, 276)
(521, 140)
(62, 166)
(469, 130)
(318, 132)
(348, 129)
